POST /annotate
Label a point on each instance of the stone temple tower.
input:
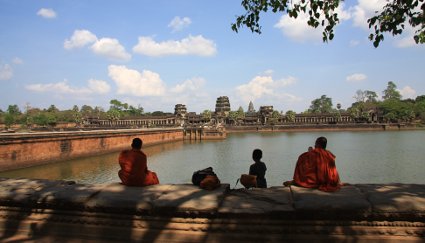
(222, 107)
(180, 112)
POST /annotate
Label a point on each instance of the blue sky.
(160, 53)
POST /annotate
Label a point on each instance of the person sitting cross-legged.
(134, 170)
(316, 169)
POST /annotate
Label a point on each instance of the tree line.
(391, 107)
(52, 115)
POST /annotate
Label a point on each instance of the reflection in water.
(362, 157)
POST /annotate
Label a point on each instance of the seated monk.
(134, 170)
(316, 169)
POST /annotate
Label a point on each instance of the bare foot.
(287, 183)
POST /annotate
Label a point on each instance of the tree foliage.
(207, 114)
(393, 18)
(391, 92)
(321, 105)
(240, 113)
(13, 110)
(290, 115)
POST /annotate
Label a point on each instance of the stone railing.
(43, 210)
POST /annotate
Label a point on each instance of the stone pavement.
(47, 210)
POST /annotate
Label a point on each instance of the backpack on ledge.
(200, 175)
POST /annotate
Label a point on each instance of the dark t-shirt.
(259, 169)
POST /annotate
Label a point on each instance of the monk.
(134, 170)
(316, 169)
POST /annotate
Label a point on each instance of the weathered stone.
(117, 197)
(189, 199)
(30, 149)
(270, 201)
(67, 195)
(395, 198)
(21, 191)
(347, 199)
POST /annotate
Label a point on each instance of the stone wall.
(63, 211)
(321, 127)
(29, 149)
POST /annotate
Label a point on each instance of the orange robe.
(133, 167)
(316, 169)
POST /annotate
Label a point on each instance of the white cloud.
(17, 61)
(268, 72)
(405, 40)
(364, 10)
(177, 24)
(47, 13)
(356, 77)
(193, 84)
(354, 43)
(94, 87)
(110, 48)
(132, 82)
(6, 72)
(298, 29)
(99, 86)
(192, 45)
(263, 86)
(408, 92)
(79, 39)
(107, 47)
(60, 87)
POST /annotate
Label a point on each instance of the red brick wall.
(24, 150)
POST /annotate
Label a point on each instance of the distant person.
(258, 168)
(316, 169)
(134, 170)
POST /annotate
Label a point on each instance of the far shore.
(324, 127)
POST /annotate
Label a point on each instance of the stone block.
(119, 198)
(190, 200)
(395, 198)
(349, 200)
(22, 191)
(69, 196)
(267, 202)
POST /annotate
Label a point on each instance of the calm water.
(361, 157)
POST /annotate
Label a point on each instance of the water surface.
(361, 157)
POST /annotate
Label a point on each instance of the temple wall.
(29, 149)
(320, 127)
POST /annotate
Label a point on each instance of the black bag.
(199, 175)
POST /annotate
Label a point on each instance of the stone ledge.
(354, 202)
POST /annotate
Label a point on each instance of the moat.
(362, 157)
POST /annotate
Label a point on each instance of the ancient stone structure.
(265, 113)
(222, 107)
(251, 107)
(180, 112)
(64, 211)
(139, 122)
(205, 133)
(220, 116)
(29, 149)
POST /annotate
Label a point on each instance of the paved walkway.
(57, 210)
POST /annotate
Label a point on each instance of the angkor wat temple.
(222, 117)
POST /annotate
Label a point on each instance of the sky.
(157, 54)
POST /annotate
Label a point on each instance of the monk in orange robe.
(316, 169)
(134, 170)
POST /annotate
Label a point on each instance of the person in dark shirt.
(258, 168)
